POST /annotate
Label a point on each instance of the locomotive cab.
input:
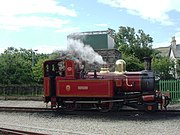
(50, 72)
(58, 69)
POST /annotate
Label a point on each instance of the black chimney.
(147, 63)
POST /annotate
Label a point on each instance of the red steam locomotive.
(67, 85)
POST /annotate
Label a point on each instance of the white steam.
(85, 52)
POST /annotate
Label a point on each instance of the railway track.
(35, 109)
(132, 115)
(8, 131)
(24, 109)
(42, 131)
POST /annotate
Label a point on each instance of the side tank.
(141, 81)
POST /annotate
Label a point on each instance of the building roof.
(175, 48)
(164, 51)
(109, 32)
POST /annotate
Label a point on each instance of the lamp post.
(33, 57)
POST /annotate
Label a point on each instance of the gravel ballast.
(89, 124)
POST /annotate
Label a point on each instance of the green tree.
(16, 66)
(38, 71)
(54, 55)
(129, 42)
(15, 69)
(164, 67)
(38, 67)
(178, 68)
(133, 63)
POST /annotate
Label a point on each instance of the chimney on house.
(173, 42)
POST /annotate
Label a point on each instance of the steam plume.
(85, 52)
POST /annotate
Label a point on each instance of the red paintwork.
(130, 82)
(46, 86)
(148, 98)
(70, 69)
(84, 88)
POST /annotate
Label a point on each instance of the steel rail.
(35, 109)
(51, 131)
(24, 109)
(18, 132)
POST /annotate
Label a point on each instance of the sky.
(43, 25)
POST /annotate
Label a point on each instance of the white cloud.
(101, 25)
(17, 23)
(153, 10)
(18, 14)
(9, 27)
(21, 7)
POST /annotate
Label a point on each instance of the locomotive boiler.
(69, 86)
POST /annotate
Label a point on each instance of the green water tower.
(96, 39)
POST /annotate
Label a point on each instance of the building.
(96, 39)
(172, 51)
